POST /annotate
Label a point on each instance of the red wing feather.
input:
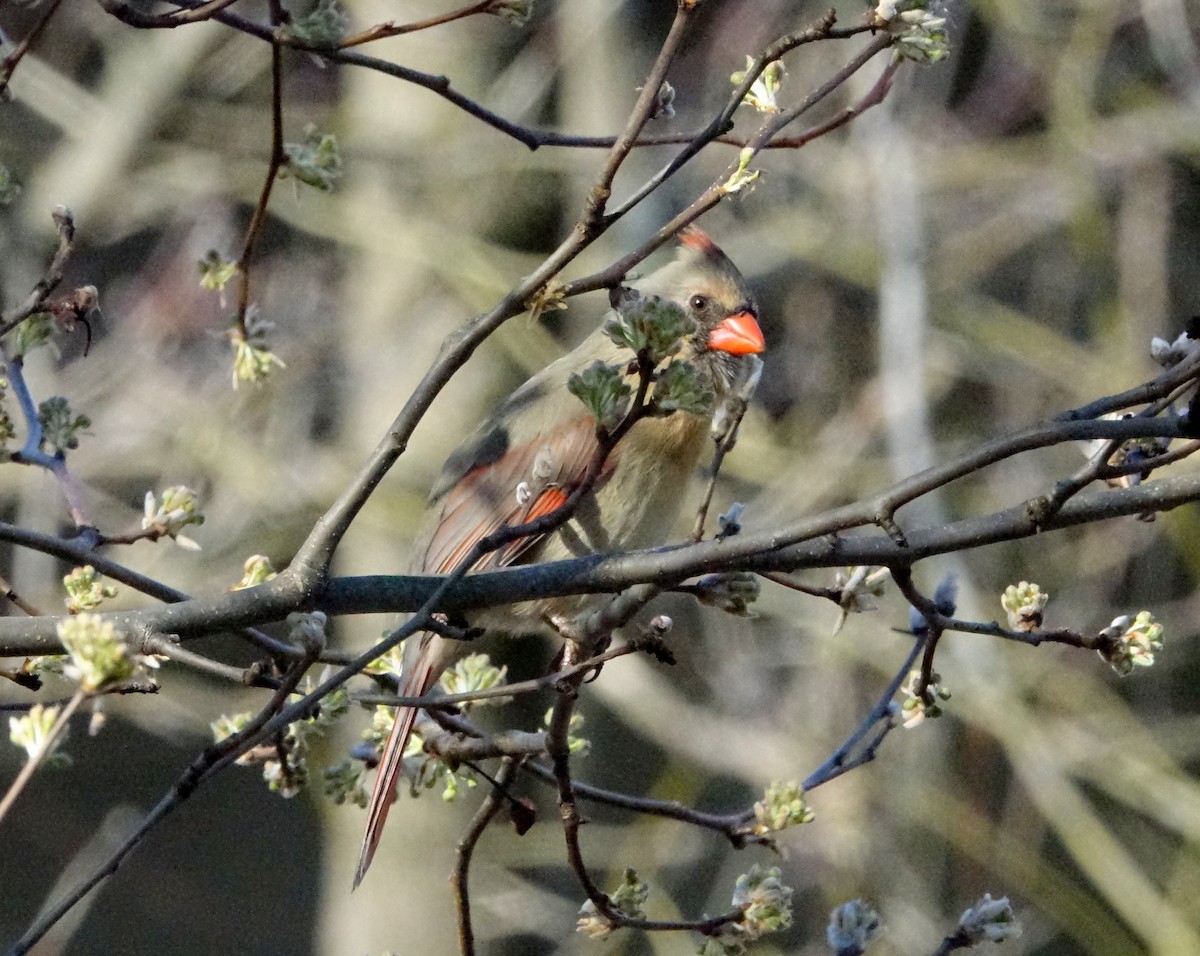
(486, 498)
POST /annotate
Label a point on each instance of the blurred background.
(995, 244)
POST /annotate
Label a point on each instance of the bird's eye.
(698, 303)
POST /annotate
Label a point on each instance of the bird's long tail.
(416, 681)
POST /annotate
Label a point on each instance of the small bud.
(251, 362)
(730, 522)
(664, 102)
(989, 920)
(852, 926)
(920, 35)
(743, 177)
(859, 585)
(168, 517)
(764, 91)
(661, 624)
(215, 272)
(257, 570)
(344, 783)
(315, 161)
(472, 673)
(33, 332)
(916, 707)
(549, 298)
(731, 591)
(307, 629)
(945, 597)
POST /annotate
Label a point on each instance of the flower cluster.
(285, 767)
(629, 899)
(1024, 604)
(474, 672)
(603, 389)
(782, 806)
(1132, 642)
(60, 427)
(99, 658)
(920, 34)
(216, 272)
(32, 732)
(252, 362)
(315, 160)
(915, 706)
(85, 592)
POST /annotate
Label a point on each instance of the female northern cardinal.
(525, 460)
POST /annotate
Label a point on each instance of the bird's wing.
(519, 484)
(504, 486)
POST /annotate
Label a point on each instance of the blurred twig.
(491, 805)
(9, 63)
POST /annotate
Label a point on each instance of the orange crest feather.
(696, 238)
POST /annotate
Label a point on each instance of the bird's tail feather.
(391, 762)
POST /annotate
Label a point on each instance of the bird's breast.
(637, 504)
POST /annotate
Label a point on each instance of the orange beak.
(738, 334)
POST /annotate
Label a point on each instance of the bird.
(533, 450)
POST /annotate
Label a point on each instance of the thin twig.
(252, 676)
(880, 719)
(441, 85)
(9, 63)
(491, 805)
(64, 224)
(382, 31)
(725, 432)
(9, 594)
(443, 701)
(274, 164)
